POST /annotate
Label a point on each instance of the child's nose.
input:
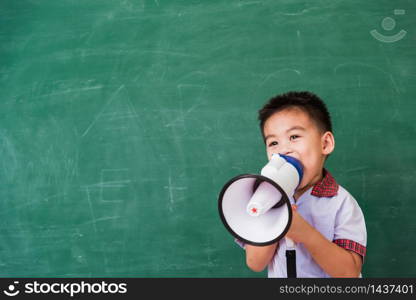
(285, 151)
(285, 148)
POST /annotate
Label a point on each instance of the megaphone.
(256, 208)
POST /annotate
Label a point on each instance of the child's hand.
(299, 229)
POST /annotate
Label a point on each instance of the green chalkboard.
(121, 121)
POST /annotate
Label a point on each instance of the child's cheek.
(269, 154)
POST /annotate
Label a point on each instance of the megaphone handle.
(290, 243)
(290, 258)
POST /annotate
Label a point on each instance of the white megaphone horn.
(256, 208)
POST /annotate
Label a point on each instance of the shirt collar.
(327, 187)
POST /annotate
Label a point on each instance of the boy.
(328, 226)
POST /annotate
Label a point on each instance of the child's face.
(292, 132)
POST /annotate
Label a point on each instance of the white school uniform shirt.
(334, 212)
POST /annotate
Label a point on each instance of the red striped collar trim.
(327, 187)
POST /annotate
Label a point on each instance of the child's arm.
(334, 260)
(258, 257)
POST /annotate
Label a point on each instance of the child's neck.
(301, 191)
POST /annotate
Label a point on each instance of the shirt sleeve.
(350, 232)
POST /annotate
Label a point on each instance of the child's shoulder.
(345, 198)
(343, 192)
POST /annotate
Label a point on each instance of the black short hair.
(304, 100)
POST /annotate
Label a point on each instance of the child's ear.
(328, 143)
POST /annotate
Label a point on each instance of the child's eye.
(292, 137)
(273, 144)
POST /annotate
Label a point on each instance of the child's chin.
(301, 186)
